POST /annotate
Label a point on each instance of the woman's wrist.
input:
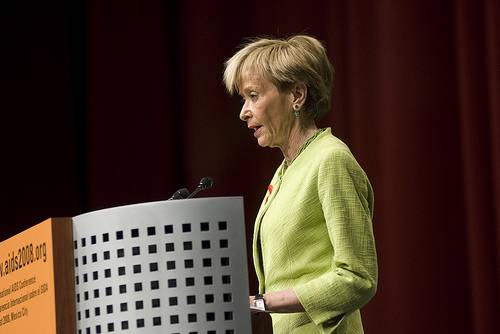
(258, 303)
(285, 301)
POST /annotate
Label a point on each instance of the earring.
(296, 111)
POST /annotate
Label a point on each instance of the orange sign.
(27, 293)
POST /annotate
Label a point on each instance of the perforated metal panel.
(163, 267)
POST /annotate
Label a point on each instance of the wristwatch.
(259, 302)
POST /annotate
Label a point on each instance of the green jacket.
(313, 233)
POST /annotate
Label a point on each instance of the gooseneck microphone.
(180, 194)
(205, 183)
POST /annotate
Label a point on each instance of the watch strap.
(260, 302)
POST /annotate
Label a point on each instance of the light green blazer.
(313, 233)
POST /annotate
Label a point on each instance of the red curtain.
(477, 49)
(416, 98)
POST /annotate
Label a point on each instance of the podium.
(161, 267)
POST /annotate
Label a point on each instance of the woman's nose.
(244, 112)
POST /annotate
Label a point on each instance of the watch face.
(259, 303)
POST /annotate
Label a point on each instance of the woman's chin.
(262, 142)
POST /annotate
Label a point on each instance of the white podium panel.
(163, 267)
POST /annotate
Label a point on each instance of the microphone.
(180, 194)
(205, 183)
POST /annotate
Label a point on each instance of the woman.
(313, 245)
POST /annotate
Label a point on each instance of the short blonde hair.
(285, 62)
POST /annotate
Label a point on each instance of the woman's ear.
(299, 94)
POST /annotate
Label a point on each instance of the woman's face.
(266, 111)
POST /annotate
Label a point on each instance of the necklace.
(303, 147)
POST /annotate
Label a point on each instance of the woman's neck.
(298, 136)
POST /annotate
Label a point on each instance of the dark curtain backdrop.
(107, 103)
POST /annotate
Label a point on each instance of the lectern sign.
(35, 283)
(27, 282)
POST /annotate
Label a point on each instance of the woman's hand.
(284, 301)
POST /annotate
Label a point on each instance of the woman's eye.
(253, 96)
